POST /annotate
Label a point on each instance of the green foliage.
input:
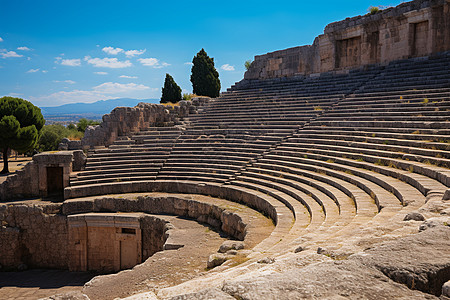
(373, 10)
(187, 96)
(171, 92)
(204, 77)
(83, 123)
(20, 125)
(52, 135)
(247, 64)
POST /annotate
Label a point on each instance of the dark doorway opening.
(55, 186)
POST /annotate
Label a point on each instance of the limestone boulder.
(215, 260)
(231, 245)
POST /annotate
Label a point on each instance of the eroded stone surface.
(420, 261)
(231, 245)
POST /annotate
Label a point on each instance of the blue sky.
(58, 52)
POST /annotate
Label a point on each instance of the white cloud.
(152, 62)
(1, 40)
(149, 62)
(101, 73)
(188, 63)
(44, 71)
(23, 48)
(65, 81)
(132, 53)
(10, 54)
(113, 63)
(76, 62)
(113, 88)
(227, 67)
(126, 76)
(104, 91)
(112, 50)
(64, 97)
(14, 94)
(33, 71)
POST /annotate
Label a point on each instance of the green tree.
(20, 125)
(83, 123)
(204, 77)
(51, 136)
(171, 92)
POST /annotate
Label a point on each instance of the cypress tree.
(20, 125)
(204, 77)
(171, 92)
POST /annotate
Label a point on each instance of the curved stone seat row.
(283, 217)
(319, 155)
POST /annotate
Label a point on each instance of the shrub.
(247, 64)
(171, 92)
(83, 123)
(204, 77)
(187, 96)
(373, 10)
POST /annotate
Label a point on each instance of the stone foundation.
(412, 29)
(82, 235)
(33, 235)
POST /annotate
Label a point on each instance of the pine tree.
(204, 77)
(20, 125)
(171, 92)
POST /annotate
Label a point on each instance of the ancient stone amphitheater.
(348, 159)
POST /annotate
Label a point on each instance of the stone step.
(115, 172)
(303, 193)
(317, 189)
(384, 147)
(379, 187)
(137, 164)
(201, 166)
(192, 176)
(412, 133)
(230, 157)
(416, 125)
(388, 118)
(113, 180)
(365, 168)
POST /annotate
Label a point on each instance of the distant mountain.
(74, 111)
(100, 107)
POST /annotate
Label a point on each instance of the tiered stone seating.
(135, 158)
(242, 125)
(338, 150)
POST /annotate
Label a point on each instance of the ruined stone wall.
(31, 180)
(412, 29)
(218, 217)
(153, 235)
(34, 236)
(123, 121)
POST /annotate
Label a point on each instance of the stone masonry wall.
(124, 121)
(33, 235)
(31, 180)
(153, 235)
(412, 29)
